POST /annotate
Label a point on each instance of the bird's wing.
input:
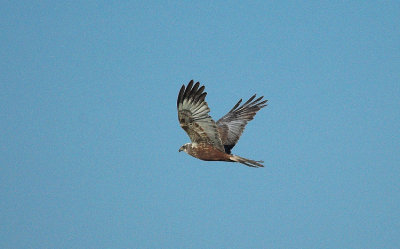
(193, 116)
(231, 126)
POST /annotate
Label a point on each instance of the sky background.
(89, 135)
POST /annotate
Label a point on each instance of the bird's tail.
(248, 162)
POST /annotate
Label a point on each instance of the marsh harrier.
(210, 140)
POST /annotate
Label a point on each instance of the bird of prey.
(210, 140)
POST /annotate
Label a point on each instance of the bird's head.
(184, 147)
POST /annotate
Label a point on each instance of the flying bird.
(210, 140)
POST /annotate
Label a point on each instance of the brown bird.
(213, 141)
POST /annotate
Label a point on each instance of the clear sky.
(89, 135)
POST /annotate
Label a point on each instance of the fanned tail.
(248, 162)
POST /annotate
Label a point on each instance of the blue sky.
(89, 132)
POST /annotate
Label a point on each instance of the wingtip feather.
(180, 95)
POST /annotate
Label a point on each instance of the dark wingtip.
(192, 90)
(236, 106)
(251, 99)
(187, 90)
(192, 94)
(262, 104)
(260, 98)
(180, 95)
(201, 97)
(201, 89)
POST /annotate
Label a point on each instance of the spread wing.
(193, 116)
(231, 126)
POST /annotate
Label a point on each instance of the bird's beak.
(180, 149)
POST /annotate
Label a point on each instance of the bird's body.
(206, 152)
(213, 141)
